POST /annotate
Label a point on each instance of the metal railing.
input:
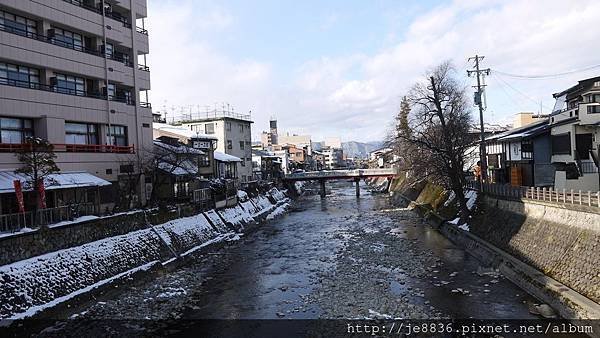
(29, 219)
(55, 40)
(98, 9)
(143, 68)
(80, 148)
(214, 114)
(564, 196)
(67, 91)
(588, 167)
(141, 30)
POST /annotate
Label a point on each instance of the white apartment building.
(69, 73)
(233, 133)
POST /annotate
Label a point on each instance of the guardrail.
(571, 196)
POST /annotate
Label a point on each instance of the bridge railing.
(343, 173)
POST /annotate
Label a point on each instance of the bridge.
(354, 174)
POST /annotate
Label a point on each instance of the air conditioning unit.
(53, 81)
(51, 34)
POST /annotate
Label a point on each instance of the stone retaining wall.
(48, 239)
(30, 285)
(562, 243)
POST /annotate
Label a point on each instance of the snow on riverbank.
(34, 284)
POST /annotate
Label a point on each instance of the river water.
(337, 257)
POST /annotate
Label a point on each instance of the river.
(337, 257)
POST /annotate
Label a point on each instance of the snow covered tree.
(437, 131)
(37, 156)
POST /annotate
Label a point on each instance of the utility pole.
(479, 102)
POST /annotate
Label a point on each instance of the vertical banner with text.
(19, 192)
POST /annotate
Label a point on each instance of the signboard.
(202, 144)
(19, 193)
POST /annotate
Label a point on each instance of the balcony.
(108, 13)
(119, 57)
(72, 148)
(67, 91)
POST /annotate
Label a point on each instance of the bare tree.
(435, 135)
(37, 157)
(169, 159)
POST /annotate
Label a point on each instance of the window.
(20, 76)
(203, 161)
(228, 126)
(243, 162)
(209, 128)
(17, 24)
(68, 84)
(241, 128)
(593, 109)
(81, 133)
(593, 98)
(14, 130)
(116, 136)
(229, 144)
(242, 145)
(561, 144)
(527, 149)
(597, 84)
(67, 38)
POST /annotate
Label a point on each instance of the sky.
(339, 68)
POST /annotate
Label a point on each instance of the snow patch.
(471, 197)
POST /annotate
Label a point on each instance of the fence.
(29, 219)
(565, 196)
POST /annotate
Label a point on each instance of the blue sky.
(339, 68)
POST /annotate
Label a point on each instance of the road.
(338, 257)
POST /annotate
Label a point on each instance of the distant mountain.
(360, 149)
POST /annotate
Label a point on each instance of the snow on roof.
(181, 131)
(219, 156)
(185, 168)
(63, 180)
(179, 149)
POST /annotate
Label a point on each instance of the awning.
(63, 180)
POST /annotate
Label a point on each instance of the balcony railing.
(98, 9)
(141, 30)
(144, 68)
(74, 148)
(145, 105)
(53, 40)
(67, 91)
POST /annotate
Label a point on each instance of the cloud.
(356, 95)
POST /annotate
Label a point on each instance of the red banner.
(42, 194)
(19, 192)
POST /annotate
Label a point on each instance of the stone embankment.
(549, 249)
(38, 282)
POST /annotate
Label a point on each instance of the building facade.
(575, 136)
(69, 73)
(234, 136)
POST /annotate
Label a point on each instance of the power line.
(546, 76)
(496, 76)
